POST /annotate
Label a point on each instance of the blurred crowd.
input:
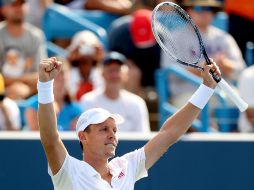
(121, 76)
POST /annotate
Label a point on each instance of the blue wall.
(193, 165)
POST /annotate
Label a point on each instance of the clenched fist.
(48, 69)
(207, 77)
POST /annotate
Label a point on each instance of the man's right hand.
(48, 69)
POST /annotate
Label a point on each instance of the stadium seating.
(54, 50)
(101, 18)
(165, 108)
(249, 56)
(221, 21)
(62, 23)
(226, 118)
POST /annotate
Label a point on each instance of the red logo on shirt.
(121, 175)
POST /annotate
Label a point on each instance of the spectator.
(36, 10)
(117, 100)
(9, 111)
(132, 36)
(241, 21)
(219, 45)
(85, 55)
(67, 110)
(246, 90)
(21, 48)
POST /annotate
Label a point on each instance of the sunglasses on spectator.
(203, 8)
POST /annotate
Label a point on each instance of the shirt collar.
(118, 165)
(90, 170)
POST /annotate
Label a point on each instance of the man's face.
(15, 12)
(112, 73)
(101, 139)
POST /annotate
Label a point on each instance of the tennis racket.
(179, 37)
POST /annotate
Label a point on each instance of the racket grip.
(239, 102)
(215, 77)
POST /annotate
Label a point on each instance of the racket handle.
(239, 102)
(215, 77)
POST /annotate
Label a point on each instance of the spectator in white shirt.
(117, 100)
(9, 112)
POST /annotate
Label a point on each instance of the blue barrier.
(101, 18)
(249, 55)
(162, 87)
(227, 118)
(55, 50)
(61, 22)
(220, 20)
(197, 162)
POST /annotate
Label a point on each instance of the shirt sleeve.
(136, 162)
(62, 180)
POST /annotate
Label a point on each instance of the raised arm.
(176, 125)
(52, 144)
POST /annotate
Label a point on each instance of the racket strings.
(177, 34)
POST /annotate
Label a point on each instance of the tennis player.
(97, 133)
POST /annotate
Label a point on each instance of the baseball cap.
(114, 56)
(6, 2)
(141, 30)
(96, 116)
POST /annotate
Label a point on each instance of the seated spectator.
(132, 36)
(220, 46)
(21, 48)
(9, 111)
(85, 55)
(67, 111)
(246, 90)
(117, 100)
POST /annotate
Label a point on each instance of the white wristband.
(45, 92)
(201, 96)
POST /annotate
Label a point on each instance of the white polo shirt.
(79, 175)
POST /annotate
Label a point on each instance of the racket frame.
(201, 43)
(221, 82)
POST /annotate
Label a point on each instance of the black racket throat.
(190, 65)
